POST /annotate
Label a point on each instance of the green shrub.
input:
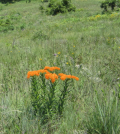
(104, 5)
(51, 3)
(63, 6)
(6, 25)
(109, 3)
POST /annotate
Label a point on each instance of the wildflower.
(55, 76)
(66, 62)
(74, 77)
(29, 74)
(97, 16)
(43, 71)
(57, 68)
(68, 76)
(77, 66)
(58, 52)
(37, 72)
(73, 46)
(64, 76)
(60, 74)
(46, 68)
(32, 73)
(40, 58)
(55, 54)
(47, 76)
(53, 80)
(51, 76)
(51, 68)
(72, 53)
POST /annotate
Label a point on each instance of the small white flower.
(77, 66)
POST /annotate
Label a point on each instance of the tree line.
(12, 1)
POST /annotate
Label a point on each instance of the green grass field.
(84, 43)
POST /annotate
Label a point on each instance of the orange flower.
(57, 68)
(40, 70)
(46, 68)
(36, 73)
(51, 68)
(74, 77)
(47, 75)
(61, 74)
(32, 73)
(51, 76)
(68, 76)
(55, 76)
(63, 77)
(28, 74)
(53, 80)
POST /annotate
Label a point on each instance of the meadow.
(84, 43)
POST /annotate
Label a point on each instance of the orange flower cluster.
(37, 72)
(49, 75)
(64, 76)
(51, 68)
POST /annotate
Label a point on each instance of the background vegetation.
(84, 43)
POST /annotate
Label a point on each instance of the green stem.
(51, 96)
(62, 98)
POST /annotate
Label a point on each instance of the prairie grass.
(80, 44)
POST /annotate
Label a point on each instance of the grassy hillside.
(84, 43)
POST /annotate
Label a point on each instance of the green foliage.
(59, 7)
(7, 22)
(9, 1)
(104, 5)
(6, 1)
(109, 3)
(6, 25)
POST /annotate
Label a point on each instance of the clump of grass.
(104, 118)
(39, 35)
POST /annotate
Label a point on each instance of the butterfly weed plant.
(47, 96)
